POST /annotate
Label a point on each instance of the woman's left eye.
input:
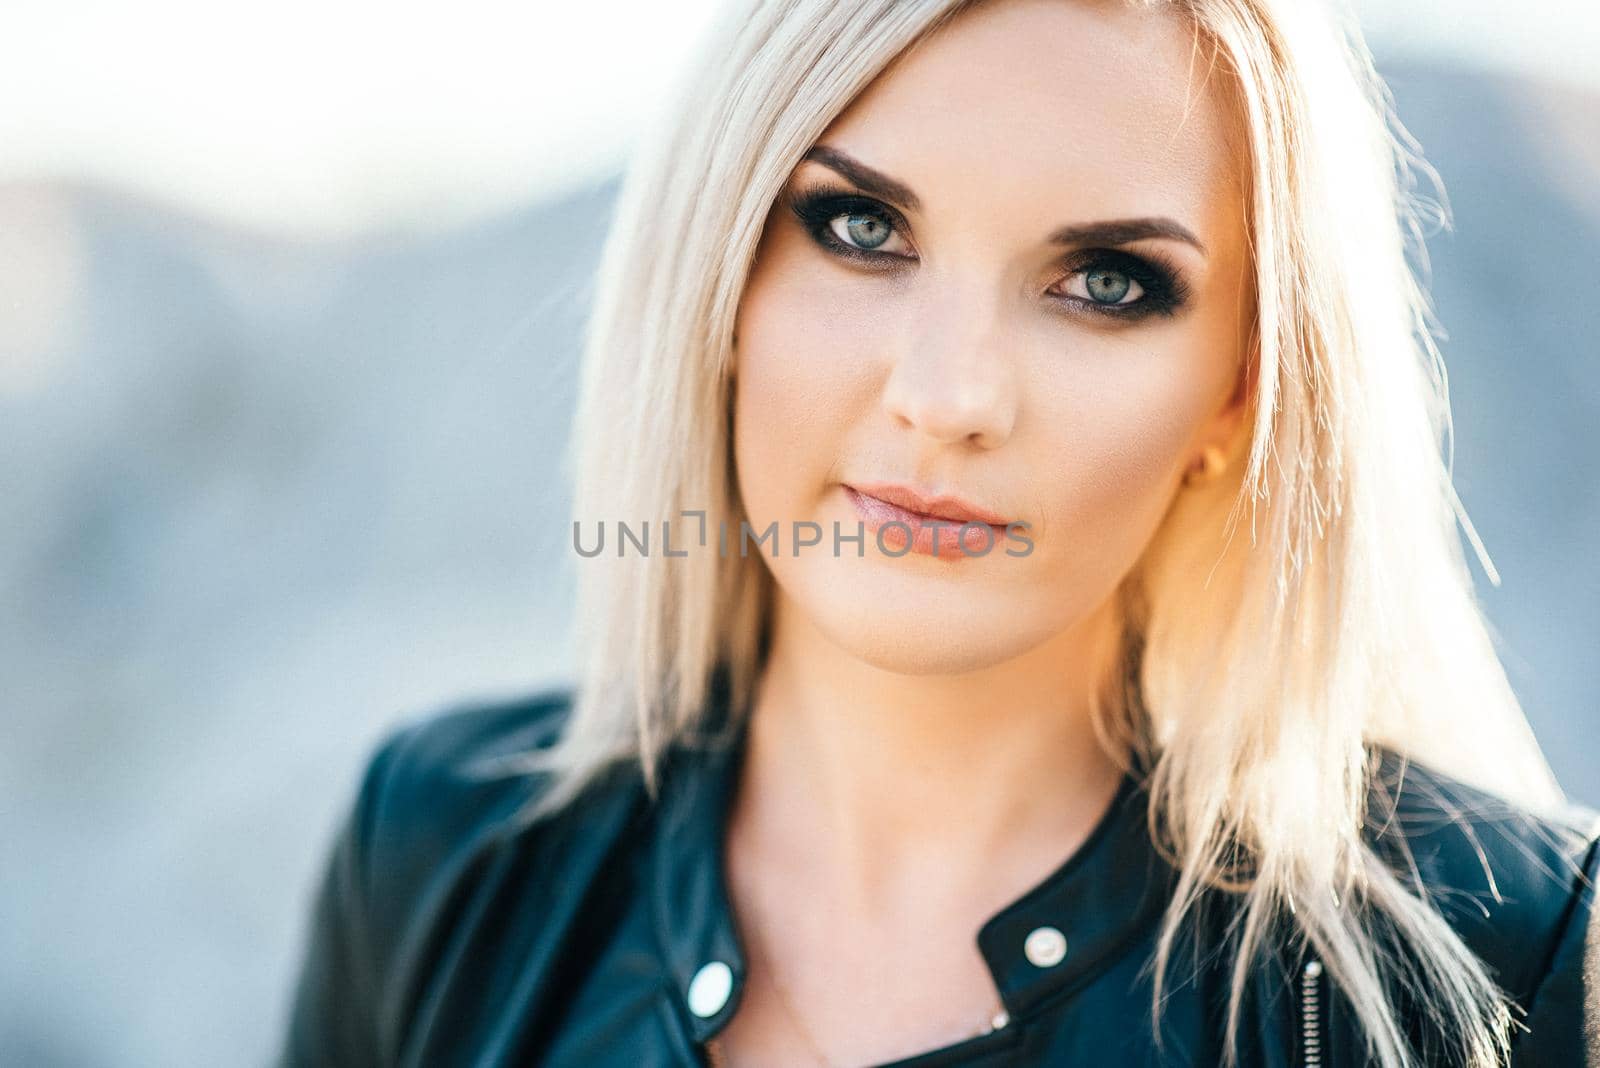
(1118, 284)
(1105, 285)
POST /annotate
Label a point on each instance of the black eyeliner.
(1165, 290)
(817, 206)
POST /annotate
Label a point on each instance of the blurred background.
(289, 308)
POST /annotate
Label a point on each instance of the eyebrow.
(873, 181)
(1110, 232)
(1125, 231)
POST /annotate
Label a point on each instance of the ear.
(1241, 401)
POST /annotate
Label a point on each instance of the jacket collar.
(1104, 894)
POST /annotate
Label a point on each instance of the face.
(1013, 272)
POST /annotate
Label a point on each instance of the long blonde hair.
(1257, 670)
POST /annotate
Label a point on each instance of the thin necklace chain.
(805, 1032)
(719, 1058)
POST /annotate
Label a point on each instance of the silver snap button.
(1045, 946)
(709, 989)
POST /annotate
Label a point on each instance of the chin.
(907, 642)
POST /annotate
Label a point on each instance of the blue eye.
(851, 226)
(1118, 284)
(1109, 287)
(868, 231)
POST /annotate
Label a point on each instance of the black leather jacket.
(446, 934)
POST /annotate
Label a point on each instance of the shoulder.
(434, 835)
(443, 792)
(1519, 887)
(432, 768)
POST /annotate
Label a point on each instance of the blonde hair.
(1257, 675)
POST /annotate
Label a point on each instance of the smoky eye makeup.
(1112, 275)
(867, 220)
(1117, 283)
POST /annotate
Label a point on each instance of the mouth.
(939, 525)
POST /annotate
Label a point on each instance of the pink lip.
(882, 503)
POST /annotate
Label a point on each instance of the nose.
(953, 379)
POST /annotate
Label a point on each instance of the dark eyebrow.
(1123, 232)
(1116, 232)
(872, 181)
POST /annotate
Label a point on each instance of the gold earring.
(1213, 461)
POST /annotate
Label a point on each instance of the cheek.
(1113, 430)
(1115, 439)
(804, 379)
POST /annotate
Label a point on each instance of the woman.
(960, 714)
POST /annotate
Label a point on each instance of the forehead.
(1102, 107)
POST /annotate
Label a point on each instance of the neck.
(908, 795)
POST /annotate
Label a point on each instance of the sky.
(330, 117)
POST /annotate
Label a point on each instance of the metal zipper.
(1311, 1014)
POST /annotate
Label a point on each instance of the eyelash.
(1165, 290)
